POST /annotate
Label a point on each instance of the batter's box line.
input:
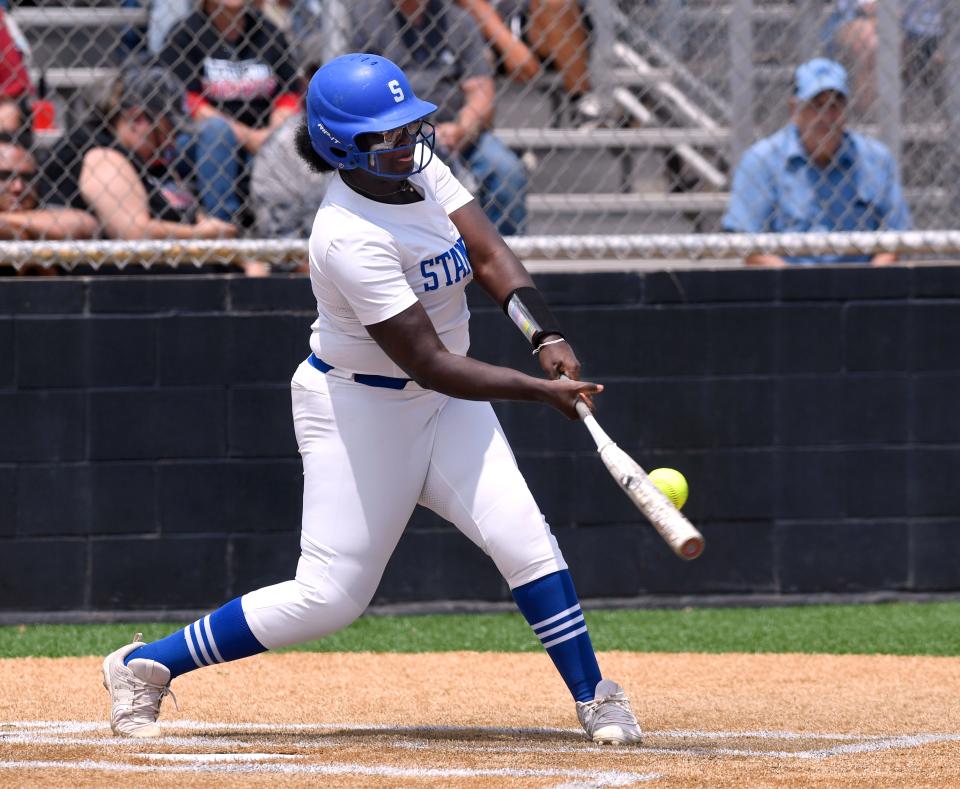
(855, 743)
(870, 745)
(54, 727)
(112, 741)
(770, 734)
(850, 742)
(594, 779)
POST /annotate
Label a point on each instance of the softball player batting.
(389, 411)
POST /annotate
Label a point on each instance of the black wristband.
(536, 307)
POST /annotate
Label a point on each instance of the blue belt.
(383, 381)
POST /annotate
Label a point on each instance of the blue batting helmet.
(361, 94)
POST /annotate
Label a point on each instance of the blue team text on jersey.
(447, 268)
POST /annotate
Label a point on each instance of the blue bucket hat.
(817, 75)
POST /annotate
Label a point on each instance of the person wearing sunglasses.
(21, 214)
(390, 412)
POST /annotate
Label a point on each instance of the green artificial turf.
(888, 628)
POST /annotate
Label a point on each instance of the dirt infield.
(494, 720)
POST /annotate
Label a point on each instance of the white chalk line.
(874, 744)
(333, 742)
(110, 741)
(594, 778)
(770, 734)
(52, 733)
(217, 757)
(45, 732)
(206, 726)
(187, 724)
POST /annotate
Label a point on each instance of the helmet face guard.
(421, 149)
(359, 94)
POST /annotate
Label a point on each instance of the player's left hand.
(559, 358)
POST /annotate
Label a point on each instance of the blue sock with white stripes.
(216, 638)
(551, 607)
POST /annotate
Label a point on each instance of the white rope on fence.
(70, 254)
(736, 245)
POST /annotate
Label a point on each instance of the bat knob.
(692, 548)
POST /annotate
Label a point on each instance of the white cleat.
(136, 691)
(608, 719)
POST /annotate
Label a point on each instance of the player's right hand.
(564, 393)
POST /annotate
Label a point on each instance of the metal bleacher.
(73, 51)
(674, 89)
(666, 169)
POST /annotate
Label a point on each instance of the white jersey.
(370, 261)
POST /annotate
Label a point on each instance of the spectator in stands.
(285, 194)
(14, 77)
(241, 85)
(851, 34)
(133, 40)
(15, 120)
(442, 51)
(21, 215)
(163, 17)
(294, 18)
(553, 29)
(814, 175)
(17, 92)
(17, 88)
(119, 165)
(297, 19)
(11, 116)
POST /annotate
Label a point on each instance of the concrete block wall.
(147, 456)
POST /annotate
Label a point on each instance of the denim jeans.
(503, 183)
(132, 39)
(218, 163)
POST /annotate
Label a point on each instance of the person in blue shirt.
(815, 175)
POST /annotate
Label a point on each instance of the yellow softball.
(672, 484)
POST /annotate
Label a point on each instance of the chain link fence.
(173, 120)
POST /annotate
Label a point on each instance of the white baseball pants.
(369, 456)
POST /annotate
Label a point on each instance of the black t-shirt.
(59, 184)
(240, 79)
